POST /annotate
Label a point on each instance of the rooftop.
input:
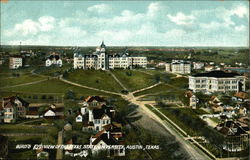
(216, 74)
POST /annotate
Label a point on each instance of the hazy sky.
(144, 23)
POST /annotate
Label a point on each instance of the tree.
(70, 95)
(157, 78)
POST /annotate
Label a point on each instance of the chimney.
(108, 134)
(91, 117)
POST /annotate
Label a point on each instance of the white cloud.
(99, 8)
(182, 19)
(240, 28)
(46, 23)
(27, 27)
(30, 27)
(240, 10)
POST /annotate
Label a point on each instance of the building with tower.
(101, 60)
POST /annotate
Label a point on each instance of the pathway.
(117, 80)
(82, 86)
(59, 152)
(143, 89)
(24, 84)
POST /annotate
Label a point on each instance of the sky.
(125, 23)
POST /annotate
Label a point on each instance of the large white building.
(178, 66)
(53, 60)
(217, 81)
(101, 60)
(15, 62)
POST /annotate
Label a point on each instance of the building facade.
(178, 66)
(217, 81)
(15, 62)
(101, 60)
(53, 60)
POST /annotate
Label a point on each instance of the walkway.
(82, 86)
(24, 84)
(59, 152)
(117, 80)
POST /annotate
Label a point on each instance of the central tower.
(101, 52)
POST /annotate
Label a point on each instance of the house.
(67, 126)
(198, 65)
(12, 108)
(209, 68)
(193, 100)
(217, 81)
(99, 117)
(241, 97)
(33, 112)
(101, 60)
(15, 62)
(3, 147)
(53, 59)
(54, 112)
(91, 102)
(79, 117)
(108, 140)
(236, 134)
(178, 66)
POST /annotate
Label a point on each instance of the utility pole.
(20, 47)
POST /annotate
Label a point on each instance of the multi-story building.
(217, 81)
(15, 62)
(53, 59)
(178, 66)
(101, 60)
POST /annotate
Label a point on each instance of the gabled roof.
(107, 139)
(9, 102)
(92, 98)
(99, 113)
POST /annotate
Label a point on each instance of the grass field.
(17, 128)
(52, 70)
(9, 81)
(51, 87)
(96, 79)
(134, 80)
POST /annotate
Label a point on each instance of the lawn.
(9, 81)
(96, 79)
(181, 82)
(51, 87)
(134, 80)
(52, 70)
(18, 128)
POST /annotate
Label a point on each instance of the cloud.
(99, 8)
(181, 19)
(30, 27)
(240, 10)
(240, 28)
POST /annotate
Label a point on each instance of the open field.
(134, 80)
(10, 81)
(51, 87)
(96, 79)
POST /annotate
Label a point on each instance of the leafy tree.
(70, 95)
